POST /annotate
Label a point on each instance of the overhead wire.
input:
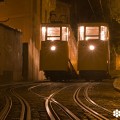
(110, 9)
(92, 9)
(102, 10)
(101, 6)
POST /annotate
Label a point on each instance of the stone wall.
(25, 15)
(10, 54)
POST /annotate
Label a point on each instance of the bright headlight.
(91, 47)
(53, 48)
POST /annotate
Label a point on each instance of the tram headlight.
(53, 48)
(91, 47)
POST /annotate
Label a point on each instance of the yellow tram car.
(58, 54)
(93, 50)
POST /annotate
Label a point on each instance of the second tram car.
(58, 54)
(93, 50)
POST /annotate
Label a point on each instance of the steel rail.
(66, 110)
(51, 112)
(25, 106)
(91, 101)
(5, 111)
(25, 110)
(85, 107)
(37, 94)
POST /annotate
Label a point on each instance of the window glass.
(104, 33)
(92, 30)
(81, 32)
(53, 38)
(64, 33)
(43, 33)
(92, 37)
(53, 31)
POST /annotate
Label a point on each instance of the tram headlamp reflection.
(53, 48)
(91, 47)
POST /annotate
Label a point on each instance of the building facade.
(27, 16)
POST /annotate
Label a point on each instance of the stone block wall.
(10, 54)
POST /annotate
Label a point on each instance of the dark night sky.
(92, 11)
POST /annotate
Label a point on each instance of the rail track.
(25, 109)
(6, 109)
(95, 113)
(51, 105)
(8, 91)
(52, 113)
(52, 102)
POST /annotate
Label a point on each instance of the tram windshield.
(93, 33)
(55, 33)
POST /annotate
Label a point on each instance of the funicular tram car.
(58, 54)
(93, 51)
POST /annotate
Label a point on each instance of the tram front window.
(50, 33)
(89, 32)
(92, 33)
(55, 33)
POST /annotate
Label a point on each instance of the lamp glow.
(53, 48)
(91, 47)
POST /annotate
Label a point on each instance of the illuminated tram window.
(43, 33)
(64, 33)
(92, 37)
(81, 32)
(95, 32)
(92, 33)
(104, 33)
(55, 33)
(53, 38)
(89, 32)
